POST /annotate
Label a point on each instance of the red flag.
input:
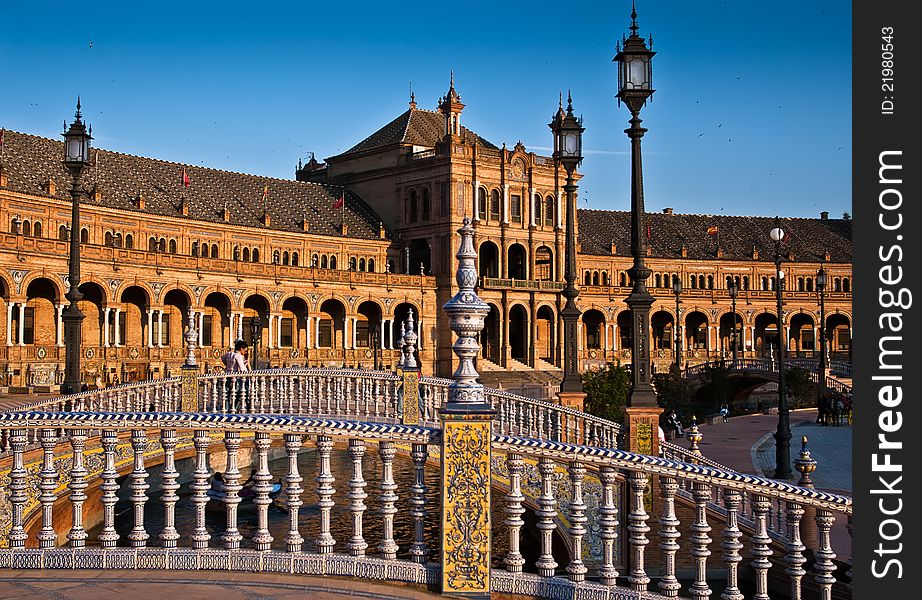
(185, 178)
(341, 201)
(713, 230)
(648, 231)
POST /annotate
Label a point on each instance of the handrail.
(676, 452)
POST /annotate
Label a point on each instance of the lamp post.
(375, 340)
(568, 147)
(783, 434)
(677, 290)
(256, 329)
(635, 76)
(733, 290)
(821, 289)
(76, 159)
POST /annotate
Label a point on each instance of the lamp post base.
(643, 429)
(572, 399)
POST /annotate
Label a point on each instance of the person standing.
(238, 363)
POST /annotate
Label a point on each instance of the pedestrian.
(725, 413)
(238, 364)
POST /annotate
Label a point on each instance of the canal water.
(309, 513)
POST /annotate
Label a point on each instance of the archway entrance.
(518, 333)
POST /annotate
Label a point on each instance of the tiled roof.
(29, 161)
(415, 126)
(806, 238)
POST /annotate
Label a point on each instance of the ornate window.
(549, 211)
(129, 241)
(294, 259)
(37, 229)
(494, 205)
(84, 236)
(516, 208)
(482, 203)
(255, 254)
(214, 251)
(62, 233)
(371, 265)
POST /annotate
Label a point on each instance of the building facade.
(332, 262)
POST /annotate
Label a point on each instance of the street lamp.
(734, 292)
(76, 159)
(568, 148)
(256, 329)
(635, 78)
(375, 340)
(783, 434)
(821, 289)
(677, 290)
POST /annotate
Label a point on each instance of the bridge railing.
(366, 395)
(744, 504)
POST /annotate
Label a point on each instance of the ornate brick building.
(332, 262)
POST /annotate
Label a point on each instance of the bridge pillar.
(466, 443)
(188, 374)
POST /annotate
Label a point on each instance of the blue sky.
(752, 113)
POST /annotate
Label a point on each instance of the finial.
(694, 437)
(78, 115)
(805, 464)
(569, 103)
(561, 99)
(191, 337)
(452, 83)
(409, 343)
(634, 26)
(299, 164)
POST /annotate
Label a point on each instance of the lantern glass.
(732, 289)
(677, 286)
(821, 279)
(777, 234)
(76, 149)
(570, 143)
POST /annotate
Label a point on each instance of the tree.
(799, 386)
(715, 388)
(606, 391)
(672, 389)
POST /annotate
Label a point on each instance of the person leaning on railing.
(236, 362)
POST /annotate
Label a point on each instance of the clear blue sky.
(752, 113)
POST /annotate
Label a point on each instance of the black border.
(874, 132)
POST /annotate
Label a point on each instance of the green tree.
(799, 386)
(715, 387)
(606, 391)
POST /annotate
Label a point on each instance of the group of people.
(834, 408)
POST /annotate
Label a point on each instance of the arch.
(801, 285)
(489, 336)
(839, 335)
(107, 239)
(332, 261)
(518, 332)
(746, 282)
(255, 255)
(256, 306)
(37, 229)
(330, 324)
(216, 322)
(293, 329)
(764, 285)
(63, 233)
(696, 331)
(401, 311)
(809, 284)
(766, 334)
(276, 257)
(595, 278)
(537, 206)
(136, 302)
(710, 282)
(846, 284)
(176, 305)
(662, 326)
(40, 319)
(803, 340)
(593, 328)
(837, 285)
(26, 228)
(658, 280)
(517, 262)
(726, 327)
(129, 241)
(544, 264)
(549, 211)
(482, 202)
(84, 236)
(286, 257)
(352, 263)
(195, 249)
(323, 262)
(587, 278)
(420, 257)
(214, 251)
(368, 325)
(622, 279)
(545, 342)
(371, 265)
(625, 324)
(362, 265)
(246, 255)
(161, 246)
(91, 305)
(605, 278)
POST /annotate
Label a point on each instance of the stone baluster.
(418, 551)
(514, 511)
(387, 547)
(795, 549)
(357, 544)
(731, 545)
(293, 540)
(701, 493)
(170, 476)
(232, 487)
(18, 440)
(608, 575)
(108, 536)
(325, 493)
(637, 527)
(576, 568)
(78, 484)
(669, 585)
(138, 486)
(262, 478)
(48, 478)
(824, 567)
(200, 486)
(546, 515)
(761, 549)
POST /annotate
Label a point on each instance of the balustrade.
(767, 513)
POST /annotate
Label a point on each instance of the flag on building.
(265, 195)
(713, 230)
(185, 180)
(341, 201)
(648, 231)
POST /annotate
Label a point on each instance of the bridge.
(529, 498)
(838, 377)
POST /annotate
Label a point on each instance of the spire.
(77, 115)
(634, 26)
(451, 107)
